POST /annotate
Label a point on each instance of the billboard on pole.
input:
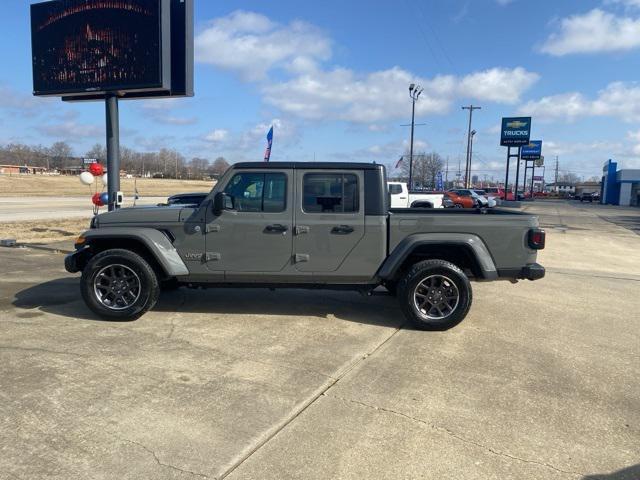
(532, 150)
(86, 49)
(515, 131)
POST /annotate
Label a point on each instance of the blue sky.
(333, 80)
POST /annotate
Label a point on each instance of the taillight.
(536, 238)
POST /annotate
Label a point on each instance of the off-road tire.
(419, 272)
(149, 290)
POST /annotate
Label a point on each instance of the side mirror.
(221, 202)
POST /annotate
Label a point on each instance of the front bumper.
(76, 261)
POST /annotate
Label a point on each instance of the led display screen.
(92, 46)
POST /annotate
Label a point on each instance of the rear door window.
(330, 193)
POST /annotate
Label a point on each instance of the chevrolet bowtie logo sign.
(516, 124)
(515, 131)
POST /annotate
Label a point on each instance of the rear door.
(256, 236)
(328, 216)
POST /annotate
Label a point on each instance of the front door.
(256, 235)
(329, 218)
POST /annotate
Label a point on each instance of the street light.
(471, 135)
(414, 94)
(471, 108)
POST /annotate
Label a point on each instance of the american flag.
(267, 152)
(399, 162)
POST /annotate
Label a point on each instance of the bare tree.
(425, 168)
(61, 155)
(98, 151)
(220, 165)
(568, 177)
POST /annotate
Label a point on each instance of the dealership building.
(620, 187)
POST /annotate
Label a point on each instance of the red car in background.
(460, 201)
(495, 192)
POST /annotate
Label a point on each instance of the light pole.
(473, 134)
(471, 108)
(414, 94)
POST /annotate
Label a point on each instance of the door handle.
(276, 228)
(342, 230)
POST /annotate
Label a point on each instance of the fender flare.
(155, 241)
(471, 242)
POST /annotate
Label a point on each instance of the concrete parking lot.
(541, 381)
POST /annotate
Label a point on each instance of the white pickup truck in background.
(402, 198)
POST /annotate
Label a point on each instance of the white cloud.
(284, 132)
(250, 44)
(216, 136)
(552, 148)
(342, 94)
(634, 137)
(71, 130)
(162, 110)
(619, 100)
(626, 3)
(592, 32)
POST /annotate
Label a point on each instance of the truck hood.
(143, 215)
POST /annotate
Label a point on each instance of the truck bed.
(504, 232)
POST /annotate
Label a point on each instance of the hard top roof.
(311, 165)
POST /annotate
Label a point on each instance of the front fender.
(155, 241)
(469, 241)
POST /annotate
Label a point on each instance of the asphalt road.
(14, 209)
(539, 382)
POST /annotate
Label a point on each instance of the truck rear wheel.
(119, 285)
(435, 295)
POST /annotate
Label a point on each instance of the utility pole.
(446, 173)
(556, 179)
(414, 94)
(471, 108)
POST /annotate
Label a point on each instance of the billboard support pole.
(506, 179)
(113, 149)
(515, 194)
(533, 177)
(509, 157)
(524, 180)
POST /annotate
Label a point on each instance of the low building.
(588, 187)
(21, 170)
(561, 188)
(620, 187)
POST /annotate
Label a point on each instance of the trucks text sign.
(515, 131)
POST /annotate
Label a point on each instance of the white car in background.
(401, 197)
(485, 200)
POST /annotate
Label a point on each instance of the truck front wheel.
(119, 285)
(435, 295)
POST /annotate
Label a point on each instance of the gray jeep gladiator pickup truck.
(304, 225)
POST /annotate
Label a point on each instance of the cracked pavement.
(539, 382)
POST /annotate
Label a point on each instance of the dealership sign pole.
(113, 150)
(84, 50)
(530, 153)
(515, 132)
